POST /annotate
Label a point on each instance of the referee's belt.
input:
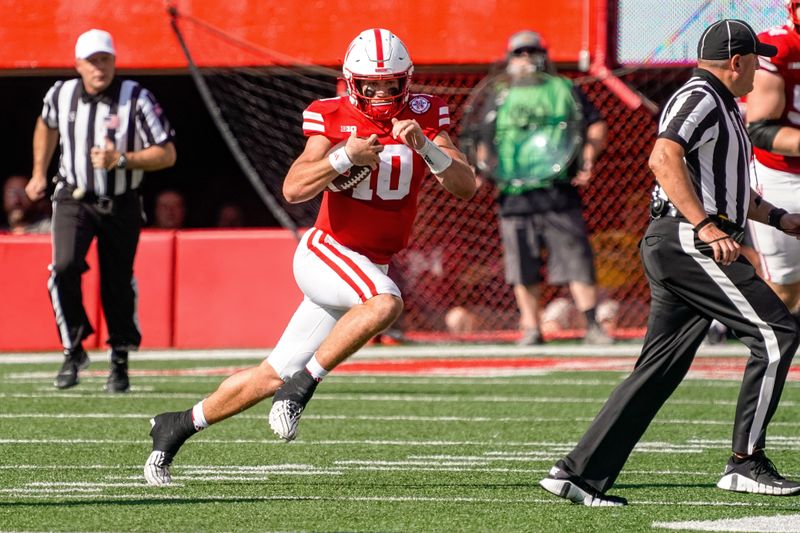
(102, 203)
(663, 208)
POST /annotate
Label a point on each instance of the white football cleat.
(156, 470)
(284, 417)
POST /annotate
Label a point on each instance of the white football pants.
(780, 252)
(333, 279)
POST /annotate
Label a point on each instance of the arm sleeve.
(50, 106)
(690, 119)
(152, 123)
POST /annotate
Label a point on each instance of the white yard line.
(163, 493)
(776, 443)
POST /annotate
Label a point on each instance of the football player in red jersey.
(773, 117)
(341, 263)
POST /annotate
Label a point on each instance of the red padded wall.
(26, 315)
(233, 289)
(40, 34)
(197, 289)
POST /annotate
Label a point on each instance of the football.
(344, 182)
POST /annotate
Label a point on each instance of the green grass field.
(374, 453)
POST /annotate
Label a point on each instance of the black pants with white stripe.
(75, 225)
(688, 290)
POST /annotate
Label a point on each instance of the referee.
(698, 271)
(110, 131)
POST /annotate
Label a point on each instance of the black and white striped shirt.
(703, 117)
(125, 112)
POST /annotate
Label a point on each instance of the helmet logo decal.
(419, 104)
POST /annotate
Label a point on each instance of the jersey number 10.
(394, 174)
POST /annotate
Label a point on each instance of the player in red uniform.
(341, 263)
(773, 116)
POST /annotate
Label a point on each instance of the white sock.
(198, 418)
(315, 369)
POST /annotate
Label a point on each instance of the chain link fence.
(455, 256)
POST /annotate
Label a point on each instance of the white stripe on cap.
(728, 27)
(705, 34)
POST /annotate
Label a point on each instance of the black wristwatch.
(122, 162)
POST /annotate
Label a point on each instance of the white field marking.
(391, 418)
(81, 484)
(780, 523)
(43, 490)
(164, 495)
(36, 377)
(771, 441)
(104, 395)
(732, 377)
(67, 467)
(383, 418)
(410, 397)
(533, 457)
(642, 447)
(424, 351)
(254, 477)
(442, 468)
(478, 462)
(251, 468)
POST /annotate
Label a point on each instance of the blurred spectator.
(230, 215)
(21, 214)
(170, 210)
(540, 140)
(561, 314)
(460, 320)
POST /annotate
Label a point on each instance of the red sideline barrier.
(197, 289)
(233, 289)
(26, 315)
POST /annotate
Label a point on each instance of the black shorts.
(562, 233)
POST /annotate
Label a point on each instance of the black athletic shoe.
(169, 432)
(756, 474)
(289, 402)
(118, 376)
(74, 360)
(573, 488)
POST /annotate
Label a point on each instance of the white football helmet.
(377, 54)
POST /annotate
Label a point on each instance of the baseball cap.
(525, 39)
(728, 37)
(93, 42)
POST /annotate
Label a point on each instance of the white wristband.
(340, 161)
(436, 159)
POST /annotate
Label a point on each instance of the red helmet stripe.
(379, 45)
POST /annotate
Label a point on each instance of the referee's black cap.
(728, 37)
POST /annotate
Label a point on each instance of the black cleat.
(169, 431)
(756, 474)
(289, 402)
(573, 488)
(118, 376)
(74, 360)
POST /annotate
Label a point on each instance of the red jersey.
(375, 218)
(785, 64)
